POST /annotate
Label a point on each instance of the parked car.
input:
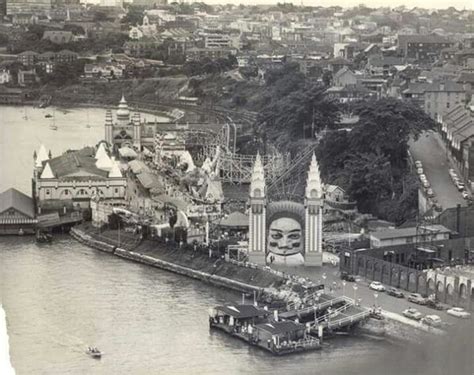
(348, 277)
(452, 172)
(423, 177)
(412, 314)
(430, 193)
(418, 164)
(426, 184)
(395, 292)
(460, 185)
(378, 286)
(434, 304)
(417, 298)
(419, 171)
(465, 194)
(432, 320)
(459, 312)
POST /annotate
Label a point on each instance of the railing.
(305, 343)
(322, 305)
(350, 319)
(337, 311)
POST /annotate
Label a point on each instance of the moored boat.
(93, 352)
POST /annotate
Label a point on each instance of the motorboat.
(48, 115)
(43, 237)
(93, 352)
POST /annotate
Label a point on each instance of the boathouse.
(237, 318)
(276, 334)
(17, 213)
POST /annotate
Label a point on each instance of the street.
(329, 274)
(430, 150)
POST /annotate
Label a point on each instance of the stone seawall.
(168, 266)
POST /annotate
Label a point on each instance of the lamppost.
(375, 299)
(355, 292)
(343, 287)
(324, 280)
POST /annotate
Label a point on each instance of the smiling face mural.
(285, 237)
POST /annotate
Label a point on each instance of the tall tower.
(137, 136)
(109, 125)
(257, 217)
(313, 216)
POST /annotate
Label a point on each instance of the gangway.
(328, 301)
(350, 316)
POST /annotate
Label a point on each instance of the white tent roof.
(104, 163)
(42, 156)
(115, 171)
(100, 152)
(47, 172)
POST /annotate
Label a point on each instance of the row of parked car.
(459, 184)
(424, 180)
(417, 298)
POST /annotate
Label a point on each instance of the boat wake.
(6, 367)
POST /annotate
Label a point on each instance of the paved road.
(430, 150)
(389, 303)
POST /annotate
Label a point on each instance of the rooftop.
(13, 198)
(409, 232)
(276, 328)
(242, 311)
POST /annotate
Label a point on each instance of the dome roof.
(123, 110)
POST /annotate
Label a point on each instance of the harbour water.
(62, 297)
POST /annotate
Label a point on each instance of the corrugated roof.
(75, 162)
(13, 198)
(275, 328)
(242, 311)
(235, 219)
(409, 232)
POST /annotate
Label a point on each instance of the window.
(66, 192)
(409, 239)
(47, 192)
(116, 190)
(447, 105)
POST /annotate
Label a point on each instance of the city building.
(442, 96)
(5, 76)
(27, 77)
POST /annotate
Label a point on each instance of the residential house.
(212, 53)
(27, 58)
(104, 70)
(59, 37)
(349, 93)
(27, 77)
(442, 96)
(423, 48)
(344, 77)
(5, 76)
(384, 66)
(415, 93)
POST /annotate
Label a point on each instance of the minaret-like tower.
(137, 136)
(257, 216)
(313, 216)
(109, 125)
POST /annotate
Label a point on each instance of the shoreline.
(214, 278)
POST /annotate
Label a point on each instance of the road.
(430, 150)
(330, 274)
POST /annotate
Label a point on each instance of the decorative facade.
(285, 232)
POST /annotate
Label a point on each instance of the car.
(423, 177)
(378, 286)
(430, 193)
(347, 277)
(418, 164)
(459, 312)
(465, 194)
(452, 172)
(432, 321)
(412, 314)
(434, 304)
(460, 185)
(426, 184)
(419, 170)
(417, 298)
(395, 292)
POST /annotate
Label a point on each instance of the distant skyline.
(427, 4)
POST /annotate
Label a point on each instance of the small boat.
(53, 127)
(48, 115)
(43, 237)
(94, 352)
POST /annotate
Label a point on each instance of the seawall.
(154, 261)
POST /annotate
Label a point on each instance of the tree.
(134, 16)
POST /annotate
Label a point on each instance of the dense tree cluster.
(370, 161)
(208, 66)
